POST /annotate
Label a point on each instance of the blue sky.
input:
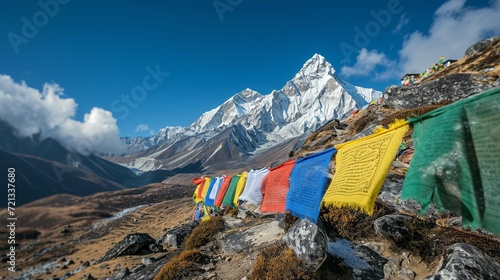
(101, 51)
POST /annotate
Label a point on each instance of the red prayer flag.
(276, 188)
(222, 190)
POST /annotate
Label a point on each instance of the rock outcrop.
(174, 237)
(464, 261)
(132, 244)
(448, 89)
(481, 45)
(309, 242)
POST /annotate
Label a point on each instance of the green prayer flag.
(456, 164)
(229, 196)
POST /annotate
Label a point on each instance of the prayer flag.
(252, 192)
(276, 188)
(212, 191)
(456, 161)
(229, 196)
(222, 190)
(308, 184)
(361, 168)
(239, 188)
(198, 182)
(206, 185)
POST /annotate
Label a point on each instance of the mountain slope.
(256, 122)
(44, 167)
(37, 178)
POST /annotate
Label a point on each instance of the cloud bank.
(455, 27)
(49, 114)
(366, 63)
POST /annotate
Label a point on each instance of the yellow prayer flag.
(208, 180)
(361, 168)
(239, 188)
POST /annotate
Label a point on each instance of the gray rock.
(174, 237)
(156, 247)
(147, 261)
(251, 239)
(138, 268)
(248, 209)
(464, 261)
(392, 267)
(406, 274)
(309, 242)
(281, 218)
(123, 274)
(450, 88)
(375, 264)
(481, 45)
(132, 244)
(393, 227)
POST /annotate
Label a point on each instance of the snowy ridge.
(313, 97)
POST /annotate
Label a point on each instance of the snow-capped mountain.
(136, 144)
(251, 121)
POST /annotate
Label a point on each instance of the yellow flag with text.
(361, 168)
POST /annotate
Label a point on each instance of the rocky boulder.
(174, 237)
(464, 261)
(132, 244)
(309, 242)
(450, 88)
(374, 268)
(393, 227)
(481, 45)
(252, 238)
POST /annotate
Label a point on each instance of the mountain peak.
(317, 64)
(248, 92)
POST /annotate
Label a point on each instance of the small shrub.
(353, 224)
(289, 221)
(279, 262)
(233, 212)
(179, 265)
(412, 113)
(203, 233)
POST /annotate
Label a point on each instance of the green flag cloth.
(456, 164)
(229, 196)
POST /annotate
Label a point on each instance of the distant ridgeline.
(455, 166)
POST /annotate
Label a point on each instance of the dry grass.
(353, 224)
(430, 241)
(203, 233)
(179, 265)
(410, 113)
(368, 117)
(279, 262)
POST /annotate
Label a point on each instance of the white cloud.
(455, 27)
(142, 127)
(47, 112)
(403, 20)
(367, 63)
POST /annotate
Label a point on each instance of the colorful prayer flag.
(252, 192)
(206, 185)
(198, 182)
(212, 191)
(456, 161)
(229, 196)
(222, 190)
(361, 168)
(276, 188)
(308, 184)
(239, 188)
